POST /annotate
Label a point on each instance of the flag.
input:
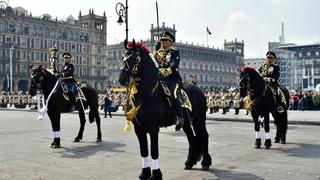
(208, 31)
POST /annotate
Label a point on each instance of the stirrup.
(280, 109)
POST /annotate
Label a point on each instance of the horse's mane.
(256, 80)
(140, 45)
(145, 50)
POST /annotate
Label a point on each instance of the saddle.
(277, 92)
(181, 96)
(77, 92)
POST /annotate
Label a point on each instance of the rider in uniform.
(271, 73)
(168, 59)
(66, 75)
(193, 80)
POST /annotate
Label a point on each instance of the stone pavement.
(25, 152)
(294, 117)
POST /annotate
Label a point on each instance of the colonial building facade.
(30, 38)
(211, 67)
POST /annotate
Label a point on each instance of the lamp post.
(11, 49)
(122, 11)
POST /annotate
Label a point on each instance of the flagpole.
(207, 39)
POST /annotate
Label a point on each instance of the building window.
(83, 71)
(98, 61)
(23, 68)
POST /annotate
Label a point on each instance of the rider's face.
(166, 43)
(66, 59)
(270, 60)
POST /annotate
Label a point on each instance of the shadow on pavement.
(86, 151)
(226, 174)
(301, 150)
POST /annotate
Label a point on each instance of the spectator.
(107, 107)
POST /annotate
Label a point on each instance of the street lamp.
(122, 11)
(11, 49)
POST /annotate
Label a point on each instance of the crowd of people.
(223, 100)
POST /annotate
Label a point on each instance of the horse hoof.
(56, 146)
(156, 175)
(145, 174)
(77, 139)
(283, 142)
(99, 140)
(267, 144)
(188, 167)
(205, 168)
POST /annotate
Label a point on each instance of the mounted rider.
(271, 73)
(168, 59)
(67, 81)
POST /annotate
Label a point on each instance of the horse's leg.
(156, 172)
(82, 117)
(55, 123)
(267, 143)
(191, 159)
(255, 117)
(143, 142)
(202, 137)
(94, 114)
(284, 127)
(278, 124)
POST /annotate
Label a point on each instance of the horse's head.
(36, 75)
(133, 60)
(243, 81)
(250, 80)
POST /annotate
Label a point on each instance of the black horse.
(263, 103)
(43, 80)
(154, 110)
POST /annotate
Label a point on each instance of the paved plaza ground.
(25, 152)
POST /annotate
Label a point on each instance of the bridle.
(34, 83)
(133, 71)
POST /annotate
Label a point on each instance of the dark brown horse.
(44, 81)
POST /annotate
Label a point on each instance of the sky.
(257, 22)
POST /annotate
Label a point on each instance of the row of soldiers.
(18, 99)
(224, 100)
(117, 98)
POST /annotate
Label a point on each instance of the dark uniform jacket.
(168, 60)
(271, 74)
(67, 73)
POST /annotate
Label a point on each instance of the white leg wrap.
(56, 134)
(145, 162)
(268, 135)
(155, 164)
(257, 135)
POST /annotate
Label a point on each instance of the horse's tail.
(92, 101)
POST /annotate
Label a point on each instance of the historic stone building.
(300, 65)
(30, 37)
(212, 67)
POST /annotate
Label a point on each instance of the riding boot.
(279, 108)
(180, 122)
